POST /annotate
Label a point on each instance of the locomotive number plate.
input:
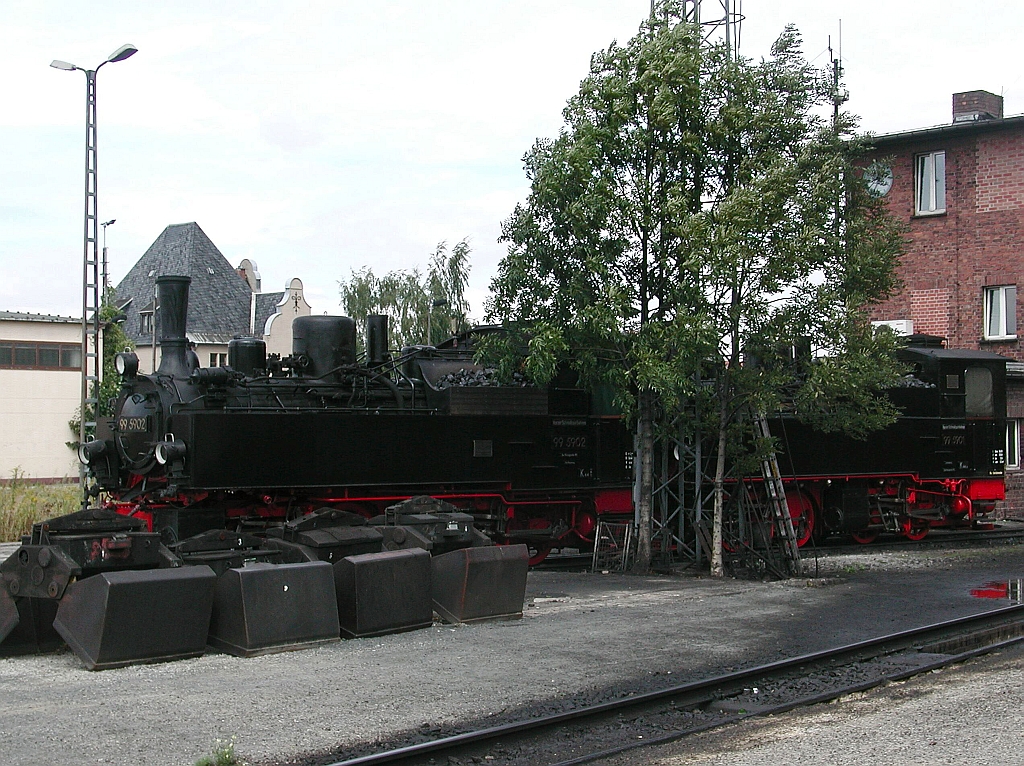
(133, 425)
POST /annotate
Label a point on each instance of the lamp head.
(125, 51)
(58, 64)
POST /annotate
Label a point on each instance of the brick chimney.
(977, 105)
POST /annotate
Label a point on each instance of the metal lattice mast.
(90, 271)
(719, 20)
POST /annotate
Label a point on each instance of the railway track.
(592, 733)
(938, 539)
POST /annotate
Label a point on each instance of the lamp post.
(105, 274)
(90, 260)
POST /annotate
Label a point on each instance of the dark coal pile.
(909, 381)
(488, 376)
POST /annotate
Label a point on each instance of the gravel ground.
(584, 638)
(973, 713)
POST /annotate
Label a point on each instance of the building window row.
(40, 356)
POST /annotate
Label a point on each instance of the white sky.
(321, 136)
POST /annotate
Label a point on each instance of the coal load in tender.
(485, 377)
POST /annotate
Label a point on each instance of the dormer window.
(145, 322)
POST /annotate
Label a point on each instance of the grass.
(23, 502)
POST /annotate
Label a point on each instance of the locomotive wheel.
(864, 536)
(537, 555)
(916, 530)
(801, 511)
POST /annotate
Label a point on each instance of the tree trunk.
(645, 434)
(717, 565)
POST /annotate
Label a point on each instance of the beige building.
(40, 388)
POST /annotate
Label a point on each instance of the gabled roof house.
(224, 301)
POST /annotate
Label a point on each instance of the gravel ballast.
(584, 638)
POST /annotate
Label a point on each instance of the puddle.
(1000, 589)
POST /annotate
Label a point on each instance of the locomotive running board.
(115, 619)
(473, 584)
(266, 608)
(381, 593)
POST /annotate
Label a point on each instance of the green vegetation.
(409, 298)
(695, 212)
(114, 342)
(222, 755)
(22, 503)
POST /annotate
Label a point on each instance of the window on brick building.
(930, 183)
(1013, 443)
(1001, 312)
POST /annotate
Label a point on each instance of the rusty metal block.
(115, 619)
(265, 608)
(382, 593)
(473, 584)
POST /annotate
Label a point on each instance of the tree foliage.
(694, 209)
(409, 298)
(114, 341)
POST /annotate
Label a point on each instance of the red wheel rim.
(916, 532)
(801, 511)
(865, 536)
(539, 556)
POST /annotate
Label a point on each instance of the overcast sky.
(317, 137)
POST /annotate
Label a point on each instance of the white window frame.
(930, 183)
(1012, 443)
(1001, 310)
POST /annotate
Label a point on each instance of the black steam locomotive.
(940, 464)
(266, 440)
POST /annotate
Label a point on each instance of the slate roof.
(219, 300)
(266, 307)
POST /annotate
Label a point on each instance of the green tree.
(414, 302)
(114, 341)
(695, 207)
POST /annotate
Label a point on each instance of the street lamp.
(90, 262)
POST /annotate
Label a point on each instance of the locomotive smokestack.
(376, 339)
(172, 305)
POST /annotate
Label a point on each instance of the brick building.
(960, 188)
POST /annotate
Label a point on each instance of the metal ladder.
(781, 518)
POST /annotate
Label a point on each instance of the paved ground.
(584, 638)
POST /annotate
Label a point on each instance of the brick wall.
(977, 242)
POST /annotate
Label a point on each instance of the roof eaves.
(942, 131)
